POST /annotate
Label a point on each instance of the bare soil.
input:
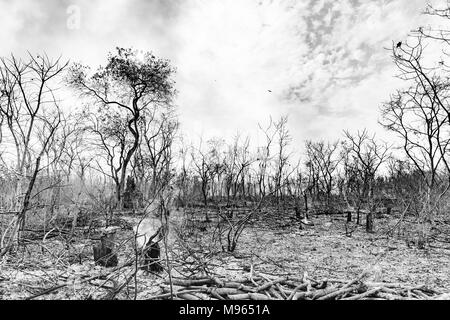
(273, 244)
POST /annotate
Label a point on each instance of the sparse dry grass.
(273, 245)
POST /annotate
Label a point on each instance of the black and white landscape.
(224, 150)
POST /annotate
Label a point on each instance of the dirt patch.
(274, 246)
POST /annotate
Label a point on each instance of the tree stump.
(104, 253)
(298, 213)
(152, 261)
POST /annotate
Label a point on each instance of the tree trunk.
(118, 196)
(205, 202)
(104, 252)
(370, 214)
(298, 215)
(369, 221)
(349, 216)
(152, 261)
(121, 189)
(26, 203)
(305, 196)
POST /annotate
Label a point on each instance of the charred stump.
(152, 254)
(298, 213)
(298, 216)
(104, 252)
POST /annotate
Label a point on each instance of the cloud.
(235, 61)
(347, 73)
(239, 61)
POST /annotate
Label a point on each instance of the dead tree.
(324, 159)
(231, 167)
(284, 139)
(158, 131)
(217, 165)
(368, 155)
(108, 140)
(354, 186)
(242, 160)
(183, 182)
(160, 204)
(203, 169)
(297, 188)
(32, 117)
(420, 116)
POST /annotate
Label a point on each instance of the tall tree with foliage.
(136, 83)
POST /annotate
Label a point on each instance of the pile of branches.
(261, 287)
(43, 234)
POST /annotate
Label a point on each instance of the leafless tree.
(242, 161)
(265, 157)
(323, 159)
(420, 116)
(158, 132)
(109, 141)
(204, 169)
(282, 160)
(367, 156)
(31, 112)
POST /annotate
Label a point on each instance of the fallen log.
(249, 296)
(303, 289)
(270, 284)
(175, 294)
(389, 296)
(320, 293)
(240, 286)
(337, 293)
(188, 296)
(190, 283)
(363, 295)
(443, 297)
(227, 291)
(303, 286)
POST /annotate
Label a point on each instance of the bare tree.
(109, 140)
(31, 112)
(203, 168)
(243, 160)
(367, 155)
(158, 132)
(420, 116)
(323, 159)
(284, 139)
(264, 157)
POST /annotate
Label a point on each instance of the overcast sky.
(323, 61)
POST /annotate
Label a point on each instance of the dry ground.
(272, 244)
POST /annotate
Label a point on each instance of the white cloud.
(329, 55)
(231, 58)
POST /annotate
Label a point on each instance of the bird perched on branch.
(399, 45)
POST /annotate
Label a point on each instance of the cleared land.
(273, 245)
